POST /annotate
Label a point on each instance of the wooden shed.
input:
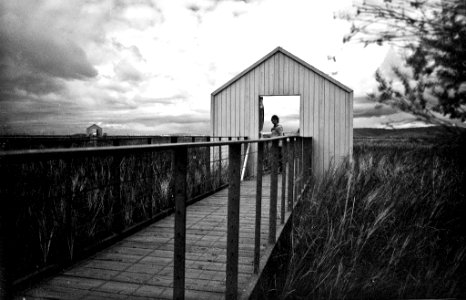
(326, 105)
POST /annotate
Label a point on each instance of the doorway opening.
(287, 108)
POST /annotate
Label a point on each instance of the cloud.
(44, 49)
(364, 107)
(130, 63)
(125, 71)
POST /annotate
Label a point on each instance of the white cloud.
(164, 58)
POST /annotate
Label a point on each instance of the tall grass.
(61, 207)
(388, 226)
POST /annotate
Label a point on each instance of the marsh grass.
(41, 192)
(388, 226)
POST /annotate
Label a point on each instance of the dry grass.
(42, 191)
(389, 227)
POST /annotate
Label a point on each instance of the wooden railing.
(295, 172)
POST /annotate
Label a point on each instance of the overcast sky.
(148, 67)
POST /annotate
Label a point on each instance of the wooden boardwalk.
(141, 266)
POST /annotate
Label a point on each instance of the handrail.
(102, 151)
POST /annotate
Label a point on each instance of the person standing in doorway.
(277, 130)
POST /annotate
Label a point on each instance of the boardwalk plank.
(141, 266)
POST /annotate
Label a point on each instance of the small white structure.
(94, 130)
(326, 105)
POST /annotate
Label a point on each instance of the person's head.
(275, 119)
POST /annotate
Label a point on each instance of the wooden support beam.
(209, 183)
(234, 168)
(296, 170)
(118, 207)
(273, 192)
(307, 159)
(220, 163)
(181, 163)
(257, 228)
(291, 163)
(283, 196)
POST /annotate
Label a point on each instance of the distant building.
(94, 130)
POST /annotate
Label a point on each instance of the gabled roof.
(289, 55)
(93, 126)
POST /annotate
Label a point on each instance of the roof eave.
(295, 58)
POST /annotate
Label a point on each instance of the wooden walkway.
(141, 266)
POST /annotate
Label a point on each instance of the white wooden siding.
(326, 107)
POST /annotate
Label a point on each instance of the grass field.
(389, 226)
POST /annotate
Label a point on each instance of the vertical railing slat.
(234, 168)
(283, 171)
(257, 229)
(210, 184)
(290, 173)
(307, 159)
(220, 163)
(118, 207)
(273, 193)
(296, 170)
(181, 163)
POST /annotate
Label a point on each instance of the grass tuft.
(388, 226)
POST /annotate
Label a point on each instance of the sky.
(149, 67)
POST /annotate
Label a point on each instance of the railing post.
(296, 170)
(208, 167)
(234, 169)
(301, 152)
(273, 193)
(181, 162)
(173, 140)
(257, 229)
(283, 202)
(291, 181)
(68, 213)
(307, 157)
(8, 215)
(118, 207)
(220, 163)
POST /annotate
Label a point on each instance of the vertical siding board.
(332, 125)
(326, 124)
(220, 122)
(302, 100)
(241, 106)
(342, 124)
(291, 77)
(315, 120)
(346, 131)
(266, 77)
(310, 104)
(286, 73)
(212, 116)
(247, 107)
(282, 74)
(351, 124)
(295, 78)
(338, 134)
(321, 124)
(276, 72)
(235, 108)
(271, 75)
(225, 116)
(228, 111)
(221, 119)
